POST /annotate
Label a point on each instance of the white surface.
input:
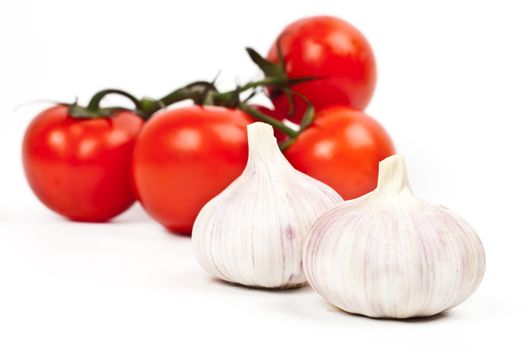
(450, 92)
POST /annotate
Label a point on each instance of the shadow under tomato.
(177, 234)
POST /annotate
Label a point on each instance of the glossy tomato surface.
(186, 156)
(80, 168)
(343, 149)
(333, 51)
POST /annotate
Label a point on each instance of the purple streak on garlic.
(390, 255)
(253, 232)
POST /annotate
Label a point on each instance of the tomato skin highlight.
(80, 168)
(186, 156)
(332, 50)
(343, 149)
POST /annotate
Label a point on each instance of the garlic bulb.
(253, 232)
(388, 254)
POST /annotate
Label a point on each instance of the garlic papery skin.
(390, 255)
(253, 233)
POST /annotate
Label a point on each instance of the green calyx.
(93, 109)
(276, 72)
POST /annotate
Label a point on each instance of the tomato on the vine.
(80, 167)
(186, 156)
(336, 54)
(343, 149)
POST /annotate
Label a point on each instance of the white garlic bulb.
(390, 255)
(254, 231)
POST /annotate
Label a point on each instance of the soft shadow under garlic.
(299, 288)
(418, 319)
(308, 305)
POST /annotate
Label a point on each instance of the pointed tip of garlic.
(393, 176)
(262, 143)
(261, 135)
(259, 128)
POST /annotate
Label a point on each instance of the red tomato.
(335, 52)
(279, 135)
(186, 156)
(80, 168)
(343, 149)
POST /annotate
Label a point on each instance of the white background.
(451, 85)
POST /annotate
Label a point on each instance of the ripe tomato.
(335, 52)
(186, 156)
(80, 168)
(279, 135)
(342, 148)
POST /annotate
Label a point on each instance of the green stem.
(94, 103)
(225, 96)
(195, 91)
(269, 120)
(203, 92)
(263, 82)
(93, 109)
(174, 97)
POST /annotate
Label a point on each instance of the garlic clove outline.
(389, 254)
(253, 233)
